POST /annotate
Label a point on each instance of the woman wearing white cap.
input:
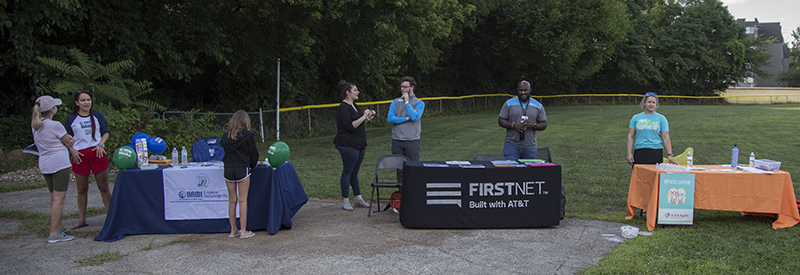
(52, 140)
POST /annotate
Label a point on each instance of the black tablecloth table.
(137, 204)
(489, 197)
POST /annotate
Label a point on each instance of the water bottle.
(735, 156)
(184, 156)
(752, 162)
(689, 159)
(175, 160)
(522, 134)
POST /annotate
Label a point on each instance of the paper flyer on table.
(141, 151)
(195, 193)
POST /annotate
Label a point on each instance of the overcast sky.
(787, 12)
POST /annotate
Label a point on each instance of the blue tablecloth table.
(137, 204)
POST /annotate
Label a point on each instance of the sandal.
(234, 234)
(79, 224)
(248, 235)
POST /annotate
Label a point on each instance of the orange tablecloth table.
(719, 190)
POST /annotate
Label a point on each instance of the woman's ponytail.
(36, 117)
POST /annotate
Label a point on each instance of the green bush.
(177, 131)
(16, 132)
(122, 124)
(16, 160)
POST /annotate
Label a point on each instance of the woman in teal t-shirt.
(648, 134)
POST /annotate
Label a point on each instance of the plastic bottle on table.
(689, 159)
(735, 156)
(184, 156)
(752, 160)
(175, 159)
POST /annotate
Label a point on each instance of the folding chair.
(544, 154)
(488, 157)
(385, 162)
(681, 159)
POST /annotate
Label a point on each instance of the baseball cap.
(47, 102)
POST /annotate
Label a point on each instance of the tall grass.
(589, 143)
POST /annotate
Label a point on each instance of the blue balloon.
(138, 136)
(156, 145)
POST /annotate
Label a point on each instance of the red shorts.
(90, 163)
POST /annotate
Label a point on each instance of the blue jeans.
(351, 162)
(514, 152)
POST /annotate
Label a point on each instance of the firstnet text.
(488, 189)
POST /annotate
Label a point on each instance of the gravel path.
(33, 175)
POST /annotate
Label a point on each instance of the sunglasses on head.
(651, 94)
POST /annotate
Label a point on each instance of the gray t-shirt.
(513, 111)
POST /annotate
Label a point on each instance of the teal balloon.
(124, 157)
(278, 153)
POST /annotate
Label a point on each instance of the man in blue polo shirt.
(522, 116)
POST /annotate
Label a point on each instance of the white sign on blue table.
(676, 199)
(195, 193)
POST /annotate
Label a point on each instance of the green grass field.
(589, 143)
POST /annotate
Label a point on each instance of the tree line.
(792, 76)
(221, 55)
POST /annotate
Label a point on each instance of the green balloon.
(124, 157)
(278, 153)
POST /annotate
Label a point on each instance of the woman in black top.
(241, 155)
(351, 141)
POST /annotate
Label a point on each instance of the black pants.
(408, 148)
(648, 156)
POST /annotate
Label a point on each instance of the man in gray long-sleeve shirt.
(405, 113)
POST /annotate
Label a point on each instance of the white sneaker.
(395, 210)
